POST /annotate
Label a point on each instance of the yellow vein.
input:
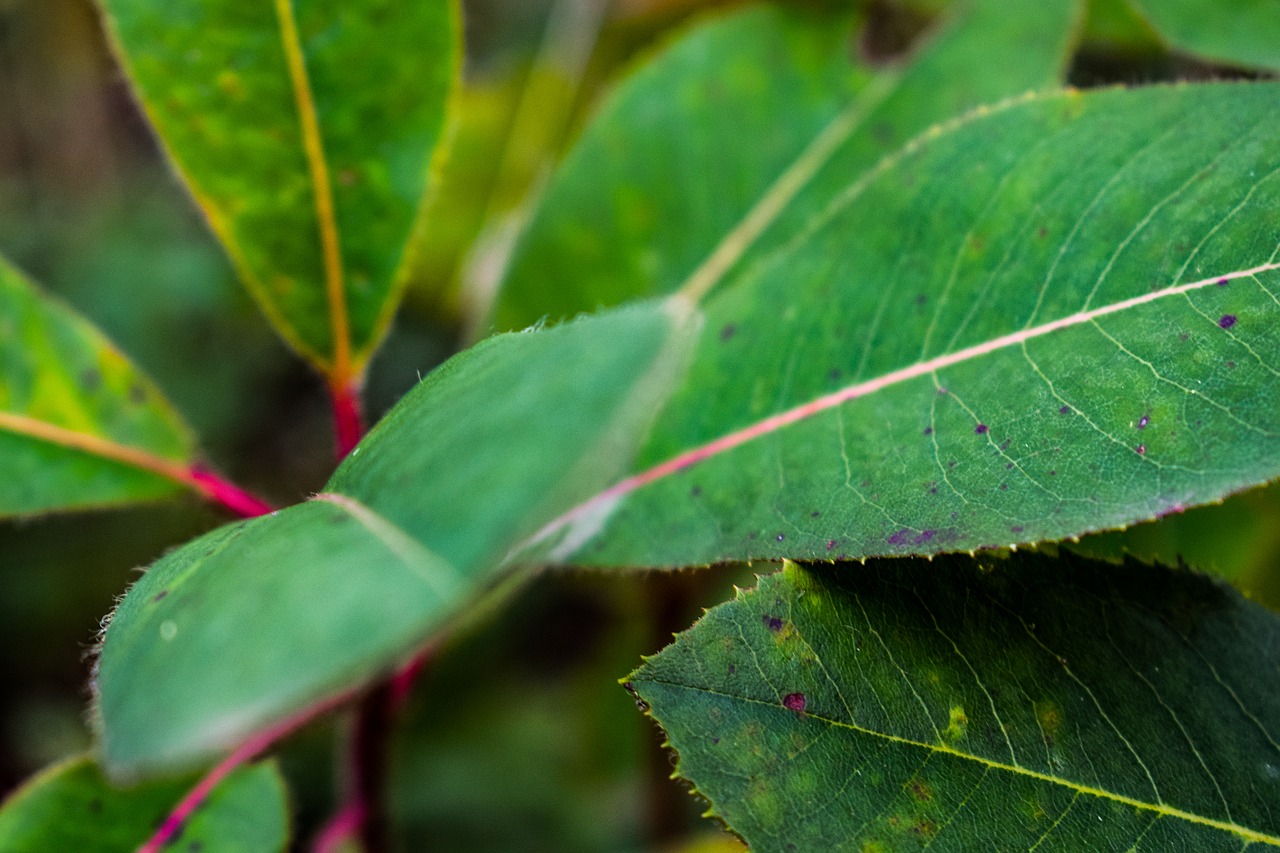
(1162, 809)
(97, 446)
(322, 190)
(786, 187)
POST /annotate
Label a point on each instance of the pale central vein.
(1162, 809)
(780, 194)
(783, 419)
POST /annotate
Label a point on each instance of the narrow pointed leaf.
(72, 807)
(741, 132)
(1237, 32)
(305, 130)
(80, 426)
(308, 603)
(1023, 703)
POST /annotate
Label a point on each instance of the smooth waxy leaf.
(1020, 703)
(79, 425)
(306, 603)
(741, 133)
(72, 807)
(1238, 32)
(903, 392)
(305, 130)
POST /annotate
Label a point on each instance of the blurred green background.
(518, 737)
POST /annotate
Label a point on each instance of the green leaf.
(80, 426)
(306, 132)
(72, 807)
(800, 413)
(740, 133)
(318, 598)
(990, 341)
(1021, 703)
(1237, 32)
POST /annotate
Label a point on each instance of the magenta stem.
(229, 495)
(348, 420)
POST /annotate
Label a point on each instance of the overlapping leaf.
(79, 425)
(990, 339)
(305, 603)
(305, 130)
(72, 807)
(1024, 703)
(736, 137)
(1238, 32)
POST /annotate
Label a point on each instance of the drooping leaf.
(80, 426)
(72, 807)
(1021, 703)
(306, 603)
(306, 132)
(740, 133)
(1238, 32)
(904, 392)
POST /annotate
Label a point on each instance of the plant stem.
(227, 494)
(187, 806)
(348, 420)
(363, 813)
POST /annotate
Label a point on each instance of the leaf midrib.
(831, 400)
(1160, 809)
(340, 369)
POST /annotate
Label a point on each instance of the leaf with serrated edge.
(80, 426)
(1066, 409)
(1018, 703)
(1238, 32)
(71, 807)
(306, 132)
(740, 133)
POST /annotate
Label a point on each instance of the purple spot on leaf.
(780, 536)
(794, 702)
(1222, 282)
(831, 543)
(1065, 410)
(1142, 449)
(773, 623)
(928, 430)
(1143, 421)
(899, 538)
(1227, 321)
(1015, 529)
(980, 429)
(924, 537)
(728, 332)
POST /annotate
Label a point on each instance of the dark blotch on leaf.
(794, 702)
(1143, 421)
(928, 430)
(728, 332)
(980, 429)
(773, 623)
(1142, 449)
(781, 536)
(1065, 410)
(1227, 321)
(159, 596)
(899, 538)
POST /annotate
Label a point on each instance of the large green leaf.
(72, 807)
(1239, 32)
(1023, 703)
(737, 136)
(257, 620)
(993, 340)
(79, 425)
(305, 130)
(990, 340)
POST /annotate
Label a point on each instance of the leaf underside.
(80, 426)
(72, 807)
(1018, 703)
(305, 131)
